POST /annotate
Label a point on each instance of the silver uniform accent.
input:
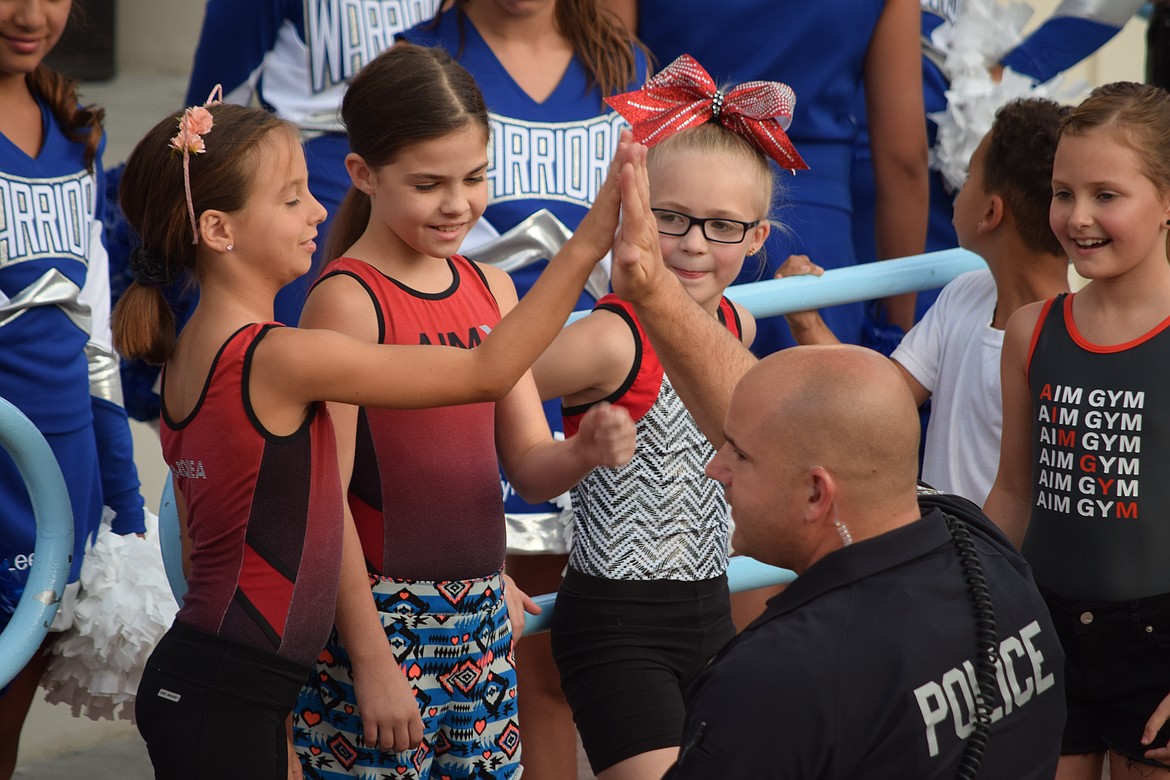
(933, 53)
(547, 533)
(1112, 12)
(538, 237)
(104, 379)
(52, 288)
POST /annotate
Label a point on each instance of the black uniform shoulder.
(979, 524)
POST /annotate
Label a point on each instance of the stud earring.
(230, 247)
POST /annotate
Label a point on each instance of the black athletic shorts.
(626, 650)
(1117, 671)
(211, 708)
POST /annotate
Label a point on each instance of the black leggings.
(626, 650)
(211, 708)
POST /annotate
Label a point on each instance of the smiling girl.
(225, 203)
(424, 486)
(1086, 434)
(544, 67)
(644, 603)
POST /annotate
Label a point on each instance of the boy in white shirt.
(952, 355)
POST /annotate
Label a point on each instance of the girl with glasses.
(644, 602)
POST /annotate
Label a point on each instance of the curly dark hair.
(1018, 166)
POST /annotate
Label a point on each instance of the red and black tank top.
(264, 513)
(425, 491)
(1100, 521)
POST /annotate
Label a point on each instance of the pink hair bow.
(195, 123)
(684, 95)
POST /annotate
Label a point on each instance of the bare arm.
(917, 389)
(704, 360)
(807, 327)
(1009, 502)
(897, 138)
(303, 365)
(386, 704)
(588, 360)
(297, 366)
(538, 466)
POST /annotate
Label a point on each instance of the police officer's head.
(821, 450)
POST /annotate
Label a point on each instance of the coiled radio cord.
(987, 648)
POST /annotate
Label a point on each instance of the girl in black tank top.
(1086, 433)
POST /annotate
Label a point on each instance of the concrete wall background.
(157, 36)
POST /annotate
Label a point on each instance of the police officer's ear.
(822, 489)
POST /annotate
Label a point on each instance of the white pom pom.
(124, 608)
(979, 37)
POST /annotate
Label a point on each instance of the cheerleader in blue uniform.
(552, 139)
(57, 364)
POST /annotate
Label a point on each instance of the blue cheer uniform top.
(57, 362)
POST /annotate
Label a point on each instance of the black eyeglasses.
(718, 229)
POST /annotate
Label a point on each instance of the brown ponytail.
(154, 201)
(144, 325)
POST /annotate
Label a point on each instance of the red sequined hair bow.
(684, 95)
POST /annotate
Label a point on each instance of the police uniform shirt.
(863, 667)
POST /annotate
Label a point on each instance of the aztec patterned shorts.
(454, 643)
